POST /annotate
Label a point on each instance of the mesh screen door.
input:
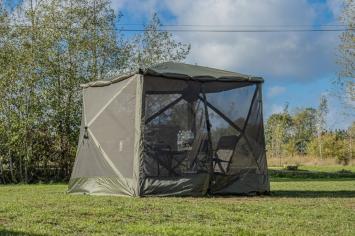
(182, 138)
(175, 136)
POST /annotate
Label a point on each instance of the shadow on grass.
(298, 179)
(306, 174)
(4, 232)
(312, 194)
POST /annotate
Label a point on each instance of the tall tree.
(321, 122)
(278, 132)
(305, 128)
(83, 46)
(47, 49)
(351, 136)
(346, 57)
(155, 46)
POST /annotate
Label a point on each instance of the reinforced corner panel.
(105, 153)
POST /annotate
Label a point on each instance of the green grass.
(296, 207)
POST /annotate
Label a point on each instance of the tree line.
(304, 132)
(47, 49)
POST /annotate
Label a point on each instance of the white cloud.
(276, 90)
(280, 55)
(335, 6)
(138, 9)
(287, 55)
(117, 4)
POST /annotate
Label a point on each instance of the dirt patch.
(232, 199)
(350, 205)
(3, 221)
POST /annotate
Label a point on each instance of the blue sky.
(298, 67)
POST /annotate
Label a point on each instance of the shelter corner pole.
(250, 108)
(210, 151)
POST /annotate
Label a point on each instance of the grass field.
(297, 206)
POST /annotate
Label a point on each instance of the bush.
(291, 167)
(344, 160)
(333, 146)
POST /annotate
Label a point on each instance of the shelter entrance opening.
(200, 129)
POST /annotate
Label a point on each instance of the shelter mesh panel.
(176, 140)
(254, 132)
(175, 136)
(228, 112)
(233, 103)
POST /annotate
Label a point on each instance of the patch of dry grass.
(303, 161)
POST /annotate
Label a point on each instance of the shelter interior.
(194, 127)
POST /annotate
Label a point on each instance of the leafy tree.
(350, 139)
(304, 126)
(278, 133)
(321, 122)
(346, 56)
(290, 147)
(333, 147)
(47, 49)
(82, 47)
(155, 46)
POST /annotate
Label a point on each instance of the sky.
(298, 67)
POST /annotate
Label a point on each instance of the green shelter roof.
(182, 71)
(195, 72)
